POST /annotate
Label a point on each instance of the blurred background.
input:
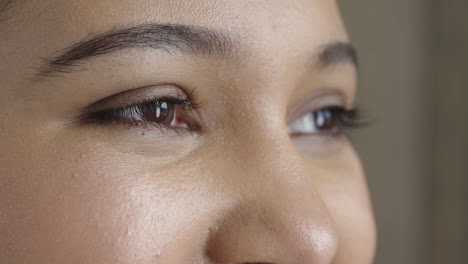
(414, 76)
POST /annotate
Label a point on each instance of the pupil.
(324, 119)
(159, 112)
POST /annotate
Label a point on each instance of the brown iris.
(158, 112)
(326, 119)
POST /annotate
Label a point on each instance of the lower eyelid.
(320, 145)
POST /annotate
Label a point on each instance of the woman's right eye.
(163, 113)
(157, 112)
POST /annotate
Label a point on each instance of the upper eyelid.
(348, 119)
(167, 91)
(315, 101)
(135, 104)
(118, 115)
(143, 102)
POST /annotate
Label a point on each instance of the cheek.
(95, 210)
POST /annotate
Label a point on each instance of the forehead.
(289, 18)
(206, 11)
(262, 27)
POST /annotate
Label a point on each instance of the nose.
(278, 216)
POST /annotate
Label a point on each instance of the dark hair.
(5, 5)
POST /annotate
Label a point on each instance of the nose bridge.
(278, 217)
(271, 163)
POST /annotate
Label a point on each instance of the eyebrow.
(167, 37)
(5, 7)
(186, 39)
(337, 53)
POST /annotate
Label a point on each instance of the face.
(141, 131)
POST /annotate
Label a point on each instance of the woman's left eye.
(328, 121)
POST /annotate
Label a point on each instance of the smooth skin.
(238, 189)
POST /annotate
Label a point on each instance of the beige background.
(414, 57)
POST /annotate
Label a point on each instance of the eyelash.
(340, 118)
(127, 115)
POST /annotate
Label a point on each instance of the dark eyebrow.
(167, 37)
(337, 53)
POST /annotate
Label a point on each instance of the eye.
(163, 113)
(328, 120)
(156, 112)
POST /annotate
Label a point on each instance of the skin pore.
(178, 131)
